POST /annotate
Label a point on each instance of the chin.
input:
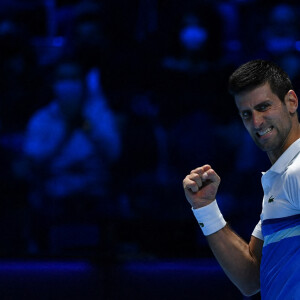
(266, 147)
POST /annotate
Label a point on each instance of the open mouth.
(264, 132)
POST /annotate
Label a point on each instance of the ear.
(291, 101)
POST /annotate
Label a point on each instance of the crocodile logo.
(271, 199)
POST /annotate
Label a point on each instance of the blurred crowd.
(105, 106)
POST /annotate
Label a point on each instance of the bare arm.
(239, 260)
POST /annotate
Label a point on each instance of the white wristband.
(209, 218)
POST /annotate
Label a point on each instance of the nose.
(257, 120)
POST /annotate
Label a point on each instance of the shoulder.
(293, 170)
(48, 110)
(44, 115)
(292, 181)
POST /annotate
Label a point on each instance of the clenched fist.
(201, 186)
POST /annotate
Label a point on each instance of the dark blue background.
(172, 112)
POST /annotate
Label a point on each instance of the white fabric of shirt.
(281, 185)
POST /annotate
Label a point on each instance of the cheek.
(247, 125)
(287, 123)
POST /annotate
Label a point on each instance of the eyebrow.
(256, 107)
(262, 103)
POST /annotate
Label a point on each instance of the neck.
(291, 138)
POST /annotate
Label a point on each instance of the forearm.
(240, 261)
(235, 257)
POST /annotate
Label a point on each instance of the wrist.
(209, 218)
(201, 204)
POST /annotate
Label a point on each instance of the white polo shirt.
(279, 228)
(281, 185)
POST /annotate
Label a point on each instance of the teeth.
(261, 133)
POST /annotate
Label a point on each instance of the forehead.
(250, 99)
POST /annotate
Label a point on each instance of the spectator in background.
(88, 39)
(189, 84)
(71, 144)
(281, 37)
(190, 63)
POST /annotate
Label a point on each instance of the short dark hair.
(256, 73)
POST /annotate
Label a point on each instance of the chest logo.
(271, 199)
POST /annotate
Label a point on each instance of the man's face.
(69, 88)
(266, 118)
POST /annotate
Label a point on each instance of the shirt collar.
(286, 157)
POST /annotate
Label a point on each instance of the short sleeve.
(257, 231)
(292, 184)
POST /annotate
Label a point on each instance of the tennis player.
(270, 262)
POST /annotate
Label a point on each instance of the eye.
(263, 107)
(245, 115)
